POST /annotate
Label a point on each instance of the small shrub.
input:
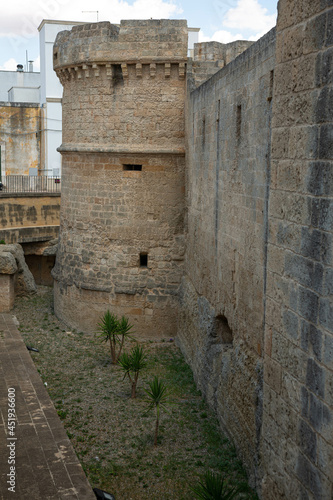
(115, 331)
(217, 487)
(132, 364)
(158, 398)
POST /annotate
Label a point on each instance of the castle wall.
(210, 57)
(28, 210)
(221, 327)
(297, 432)
(122, 214)
(108, 217)
(256, 298)
(254, 285)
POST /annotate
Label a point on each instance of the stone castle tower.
(123, 150)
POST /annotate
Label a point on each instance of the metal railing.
(29, 184)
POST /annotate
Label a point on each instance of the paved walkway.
(44, 464)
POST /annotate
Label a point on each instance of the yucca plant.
(217, 487)
(114, 331)
(124, 329)
(158, 398)
(132, 364)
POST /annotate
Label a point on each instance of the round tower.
(123, 154)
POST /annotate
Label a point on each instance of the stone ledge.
(29, 234)
(29, 195)
(39, 432)
(119, 149)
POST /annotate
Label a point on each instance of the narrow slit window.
(130, 166)
(271, 84)
(239, 122)
(203, 132)
(143, 259)
(117, 74)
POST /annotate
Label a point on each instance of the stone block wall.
(297, 434)
(122, 215)
(221, 327)
(109, 217)
(210, 57)
(28, 210)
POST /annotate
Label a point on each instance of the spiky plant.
(107, 328)
(124, 329)
(114, 331)
(132, 364)
(214, 486)
(157, 398)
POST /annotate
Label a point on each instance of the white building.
(51, 93)
(19, 86)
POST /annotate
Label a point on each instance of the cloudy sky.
(220, 20)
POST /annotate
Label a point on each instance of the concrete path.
(37, 460)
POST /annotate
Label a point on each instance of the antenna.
(91, 12)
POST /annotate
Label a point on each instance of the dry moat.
(110, 432)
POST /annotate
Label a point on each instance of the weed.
(62, 414)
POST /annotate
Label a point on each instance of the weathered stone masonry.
(243, 258)
(297, 432)
(223, 289)
(122, 237)
(256, 316)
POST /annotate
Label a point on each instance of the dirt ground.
(111, 433)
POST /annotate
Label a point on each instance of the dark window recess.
(271, 84)
(143, 259)
(138, 168)
(203, 132)
(239, 122)
(117, 74)
(222, 330)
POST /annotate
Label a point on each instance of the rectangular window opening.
(129, 166)
(143, 259)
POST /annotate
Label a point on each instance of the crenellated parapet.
(111, 70)
(137, 70)
(135, 49)
(133, 42)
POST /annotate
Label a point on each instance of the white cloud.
(221, 36)
(249, 15)
(239, 20)
(9, 65)
(37, 64)
(21, 18)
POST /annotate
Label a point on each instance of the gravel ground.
(111, 433)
